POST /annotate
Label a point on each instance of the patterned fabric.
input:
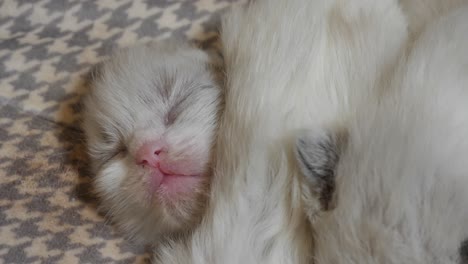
(47, 47)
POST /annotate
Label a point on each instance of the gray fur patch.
(317, 156)
(464, 252)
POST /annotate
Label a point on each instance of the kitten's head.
(150, 122)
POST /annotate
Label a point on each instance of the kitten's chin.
(147, 210)
(180, 199)
(174, 189)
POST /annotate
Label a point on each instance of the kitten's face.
(150, 123)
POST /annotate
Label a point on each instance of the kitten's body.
(150, 123)
(402, 177)
(289, 63)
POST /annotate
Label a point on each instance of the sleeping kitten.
(150, 123)
(393, 188)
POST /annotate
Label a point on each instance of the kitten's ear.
(317, 154)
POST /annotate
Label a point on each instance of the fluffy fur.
(421, 12)
(160, 92)
(399, 184)
(289, 64)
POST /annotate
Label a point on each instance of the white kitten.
(150, 122)
(289, 64)
(394, 186)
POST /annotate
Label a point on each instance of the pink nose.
(149, 154)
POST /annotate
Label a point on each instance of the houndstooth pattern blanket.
(47, 47)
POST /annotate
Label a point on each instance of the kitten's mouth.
(170, 184)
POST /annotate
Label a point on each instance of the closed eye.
(182, 103)
(111, 155)
(106, 137)
(112, 146)
(170, 118)
(174, 112)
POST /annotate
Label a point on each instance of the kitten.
(150, 122)
(393, 187)
(289, 64)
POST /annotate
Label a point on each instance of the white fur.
(165, 91)
(402, 179)
(289, 64)
(421, 12)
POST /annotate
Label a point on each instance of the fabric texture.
(47, 48)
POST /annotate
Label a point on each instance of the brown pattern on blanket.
(47, 47)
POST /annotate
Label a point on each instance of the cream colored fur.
(421, 12)
(402, 178)
(290, 64)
